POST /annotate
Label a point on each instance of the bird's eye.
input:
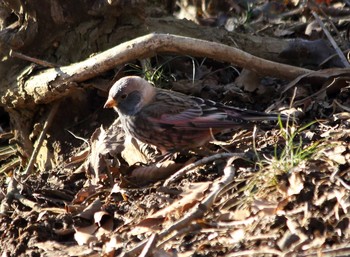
(123, 96)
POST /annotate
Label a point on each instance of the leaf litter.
(287, 195)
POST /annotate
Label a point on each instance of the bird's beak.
(110, 103)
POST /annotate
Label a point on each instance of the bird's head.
(129, 94)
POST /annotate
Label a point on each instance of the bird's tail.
(250, 115)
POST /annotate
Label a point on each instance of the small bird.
(173, 121)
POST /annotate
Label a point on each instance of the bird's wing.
(185, 112)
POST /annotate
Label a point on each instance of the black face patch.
(130, 104)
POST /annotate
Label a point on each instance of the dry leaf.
(84, 193)
(84, 236)
(237, 236)
(342, 116)
(248, 80)
(145, 174)
(53, 249)
(325, 76)
(102, 218)
(296, 183)
(336, 154)
(77, 158)
(89, 212)
(102, 143)
(267, 207)
(241, 214)
(131, 153)
(191, 195)
(113, 244)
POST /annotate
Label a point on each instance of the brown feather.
(173, 121)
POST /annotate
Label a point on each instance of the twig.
(340, 251)
(191, 228)
(236, 223)
(321, 9)
(229, 173)
(6, 135)
(149, 247)
(312, 96)
(254, 144)
(32, 59)
(191, 166)
(259, 252)
(55, 83)
(343, 183)
(13, 193)
(331, 40)
(345, 108)
(46, 126)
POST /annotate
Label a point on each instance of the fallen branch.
(55, 83)
(180, 173)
